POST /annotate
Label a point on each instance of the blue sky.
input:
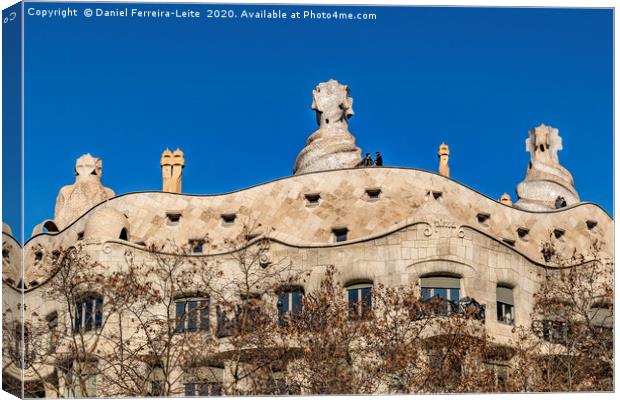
(235, 95)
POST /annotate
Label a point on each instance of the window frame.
(363, 302)
(201, 319)
(290, 311)
(196, 246)
(505, 307)
(341, 234)
(450, 291)
(209, 377)
(88, 313)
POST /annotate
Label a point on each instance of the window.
(173, 218)
(20, 349)
(505, 305)
(340, 234)
(483, 217)
(373, 194)
(80, 235)
(205, 381)
(88, 313)
(196, 245)
(360, 299)
(289, 304)
(312, 199)
(228, 219)
(510, 242)
(442, 292)
(523, 233)
(202, 389)
(445, 287)
(192, 314)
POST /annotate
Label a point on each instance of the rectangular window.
(340, 234)
(203, 389)
(373, 194)
(312, 199)
(190, 389)
(228, 219)
(88, 313)
(196, 245)
(192, 315)
(289, 305)
(173, 218)
(447, 288)
(442, 292)
(360, 300)
(505, 304)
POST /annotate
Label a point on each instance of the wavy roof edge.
(316, 173)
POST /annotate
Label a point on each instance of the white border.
(478, 3)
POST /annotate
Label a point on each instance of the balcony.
(437, 306)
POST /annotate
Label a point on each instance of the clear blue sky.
(235, 95)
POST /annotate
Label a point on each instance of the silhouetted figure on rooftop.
(368, 162)
(378, 159)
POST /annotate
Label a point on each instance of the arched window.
(192, 314)
(289, 304)
(88, 313)
(360, 299)
(505, 304)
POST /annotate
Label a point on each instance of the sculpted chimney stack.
(545, 179)
(172, 164)
(444, 156)
(332, 146)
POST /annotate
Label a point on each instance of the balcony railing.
(440, 307)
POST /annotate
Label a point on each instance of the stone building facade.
(383, 225)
